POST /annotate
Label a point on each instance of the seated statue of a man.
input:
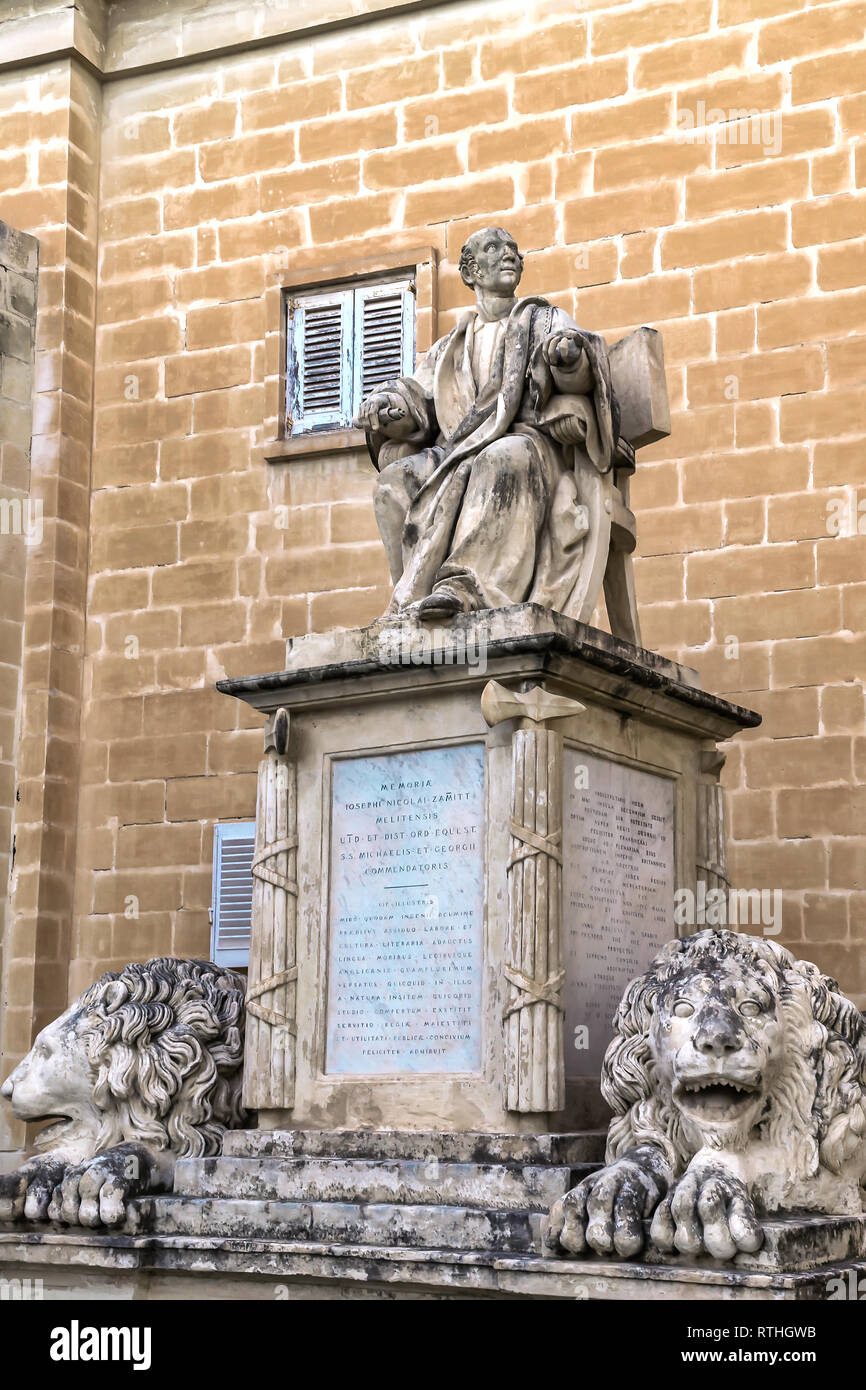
(478, 499)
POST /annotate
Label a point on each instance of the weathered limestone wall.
(570, 124)
(19, 521)
(49, 133)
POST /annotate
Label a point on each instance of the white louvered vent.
(381, 341)
(234, 846)
(323, 351)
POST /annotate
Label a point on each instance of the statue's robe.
(481, 498)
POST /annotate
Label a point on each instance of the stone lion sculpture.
(737, 1077)
(145, 1067)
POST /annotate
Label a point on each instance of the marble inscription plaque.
(406, 912)
(617, 892)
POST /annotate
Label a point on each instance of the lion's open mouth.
(54, 1129)
(717, 1101)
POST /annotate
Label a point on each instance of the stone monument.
(473, 756)
(505, 458)
(472, 818)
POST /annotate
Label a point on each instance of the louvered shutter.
(384, 335)
(233, 847)
(319, 366)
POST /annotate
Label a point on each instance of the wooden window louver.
(340, 346)
(234, 845)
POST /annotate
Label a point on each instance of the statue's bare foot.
(439, 606)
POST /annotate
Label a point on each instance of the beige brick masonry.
(691, 166)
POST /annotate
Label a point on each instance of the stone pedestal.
(431, 989)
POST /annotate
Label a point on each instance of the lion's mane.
(165, 1041)
(817, 1108)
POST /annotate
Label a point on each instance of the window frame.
(352, 299)
(311, 273)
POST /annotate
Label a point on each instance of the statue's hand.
(95, 1193)
(564, 351)
(568, 430)
(606, 1211)
(708, 1211)
(386, 413)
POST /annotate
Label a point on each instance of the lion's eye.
(683, 1009)
(750, 1008)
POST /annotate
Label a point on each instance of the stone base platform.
(400, 782)
(397, 1214)
(81, 1265)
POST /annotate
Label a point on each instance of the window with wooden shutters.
(341, 344)
(233, 847)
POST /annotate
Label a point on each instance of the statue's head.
(491, 261)
(728, 1040)
(153, 1053)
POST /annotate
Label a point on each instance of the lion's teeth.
(739, 1087)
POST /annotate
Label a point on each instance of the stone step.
(411, 1181)
(424, 1227)
(792, 1241)
(561, 1150)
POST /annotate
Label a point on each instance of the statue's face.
(498, 265)
(54, 1081)
(717, 1042)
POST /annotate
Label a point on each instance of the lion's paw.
(709, 1211)
(606, 1211)
(96, 1193)
(26, 1193)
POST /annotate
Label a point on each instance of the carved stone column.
(533, 1014)
(269, 1055)
(711, 824)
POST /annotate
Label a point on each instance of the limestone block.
(637, 370)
